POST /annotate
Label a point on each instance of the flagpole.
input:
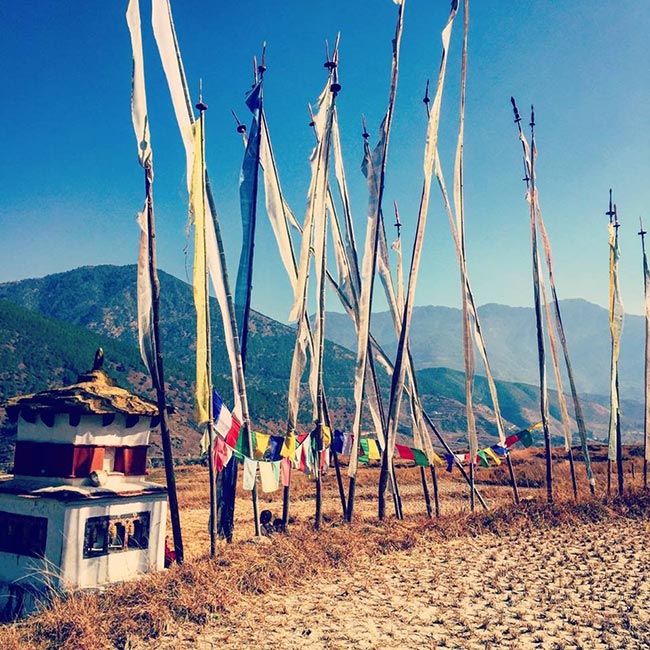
(543, 395)
(619, 441)
(155, 364)
(646, 412)
(202, 107)
(245, 272)
(579, 417)
(165, 435)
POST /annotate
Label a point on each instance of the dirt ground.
(569, 587)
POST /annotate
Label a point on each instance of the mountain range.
(51, 326)
(436, 341)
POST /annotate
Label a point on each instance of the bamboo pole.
(425, 490)
(436, 500)
(472, 485)
(646, 383)
(335, 458)
(574, 483)
(201, 107)
(543, 396)
(159, 380)
(226, 519)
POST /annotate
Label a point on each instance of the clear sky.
(71, 184)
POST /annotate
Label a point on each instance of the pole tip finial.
(200, 105)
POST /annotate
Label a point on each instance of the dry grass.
(207, 591)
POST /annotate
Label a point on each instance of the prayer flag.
(275, 447)
(373, 450)
(499, 450)
(420, 458)
(261, 441)
(288, 446)
(482, 458)
(270, 481)
(526, 438)
(488, 452)
(285, 471)
(221, 454)
(449, 459)
(510, 440)
(363, 456)
(338, 441)
(405, 452)
(437, 461)
(250, 469)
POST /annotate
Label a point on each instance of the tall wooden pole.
(646, 383)
(436, 500)
(202, 107)
(543, 395)
(159, 381)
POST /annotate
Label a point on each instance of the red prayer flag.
(233, 433)
(405, 452)
(510, 440)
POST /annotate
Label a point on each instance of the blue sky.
(71, 184)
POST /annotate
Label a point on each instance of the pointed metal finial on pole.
(610, 213)
(398, 223)
(532, 116)
(642, 233)
(426, 99)
(365, 135)
(201, 106)
(515, 110)
(241, 128)
(261, 68)
(331, 63)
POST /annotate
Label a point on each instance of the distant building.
(78, 512)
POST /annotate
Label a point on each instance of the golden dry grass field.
(566, 575)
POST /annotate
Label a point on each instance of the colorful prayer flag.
(373, 450)
(261, 443)
(405, 452)
(285, 471)
(420, 458)
(482, 458)
(488, 452)
(338, 441)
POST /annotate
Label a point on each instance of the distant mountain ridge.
(67, 315)
(510, 335)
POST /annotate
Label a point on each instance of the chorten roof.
(95, 393)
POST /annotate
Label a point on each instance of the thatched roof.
(95, 393)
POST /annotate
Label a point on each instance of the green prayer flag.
(420, 458)
(363, 455)
(243, 447)
(484, 461)
(526, 438)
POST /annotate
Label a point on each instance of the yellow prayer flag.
(200, 286)
(373, 450)
(326, 436)
(288, 446)
(492, 455)
(436, 460)
(261, 443)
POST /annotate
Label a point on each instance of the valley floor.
(569, 587)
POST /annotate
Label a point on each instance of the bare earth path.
(569, 587)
